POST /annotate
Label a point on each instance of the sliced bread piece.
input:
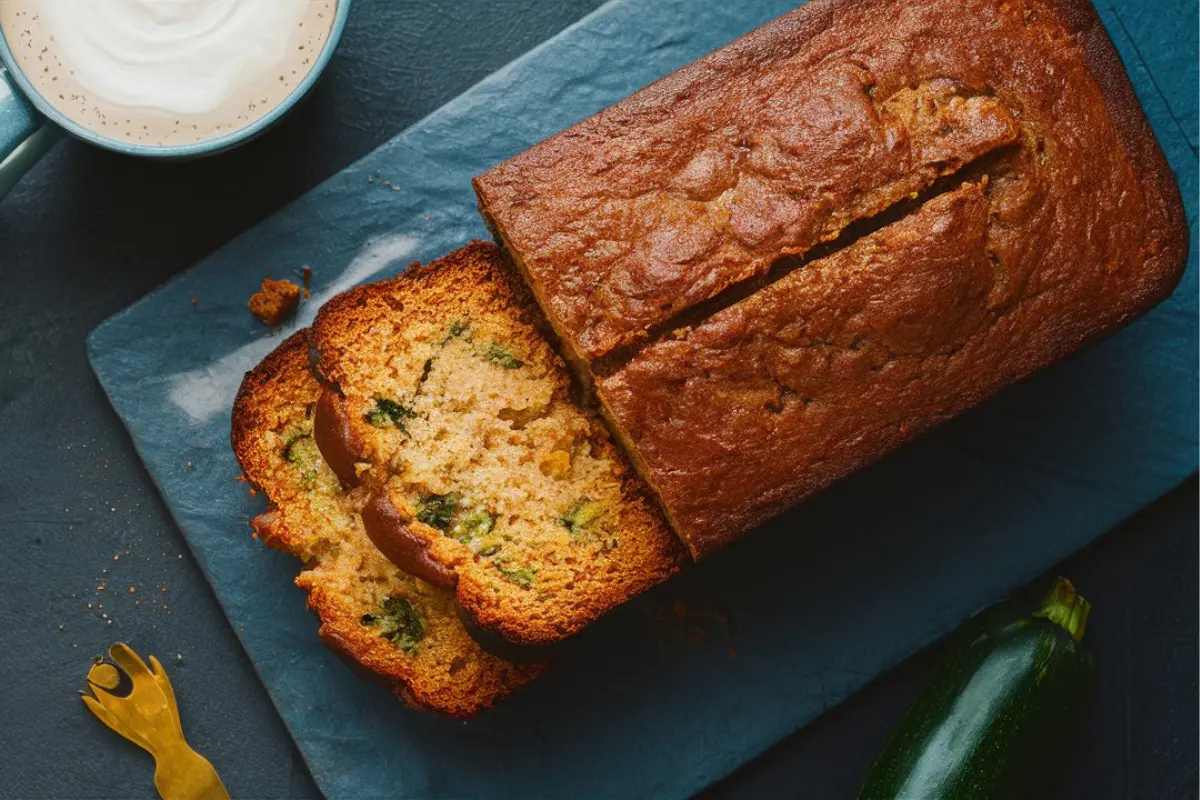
(446, 399)
(401, 629)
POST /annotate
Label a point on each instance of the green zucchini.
(995, 709)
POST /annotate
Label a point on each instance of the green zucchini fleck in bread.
(401, 629)
(499, 484)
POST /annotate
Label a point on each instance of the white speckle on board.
(203, 393)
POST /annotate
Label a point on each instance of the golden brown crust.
(344, 576)
(271, 395)
(704, 179)
(1138, 140)
(365, 340)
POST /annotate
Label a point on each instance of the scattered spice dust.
(693, 624)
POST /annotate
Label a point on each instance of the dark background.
(89, 232)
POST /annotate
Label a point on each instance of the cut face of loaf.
(488, 477)
(649, 232)
(403, 631)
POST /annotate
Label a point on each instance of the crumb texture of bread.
(391, 626)
(468, 424)
(275, 301)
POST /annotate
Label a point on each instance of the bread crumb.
(306, 276)
(275, 301)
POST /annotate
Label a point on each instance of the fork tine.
(129, 661)
(96, 709)
(160, 677)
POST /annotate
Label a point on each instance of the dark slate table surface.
(89, 232)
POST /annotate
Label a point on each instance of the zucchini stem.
(1067, 609)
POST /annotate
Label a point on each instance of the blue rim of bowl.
(206, 147)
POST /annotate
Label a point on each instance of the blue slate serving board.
(795, 618)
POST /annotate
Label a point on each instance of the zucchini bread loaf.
(392, 625)
(648, 232)
(488, 477)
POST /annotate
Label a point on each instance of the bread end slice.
(391, 626)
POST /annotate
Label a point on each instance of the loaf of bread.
(772, 267)
(397, 628)
(488, 476)
(988, 194)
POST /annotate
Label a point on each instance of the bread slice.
(393, 625)
(446, 399)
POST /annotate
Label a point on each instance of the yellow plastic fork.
(149, 717)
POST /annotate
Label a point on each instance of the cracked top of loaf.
(828, 115)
